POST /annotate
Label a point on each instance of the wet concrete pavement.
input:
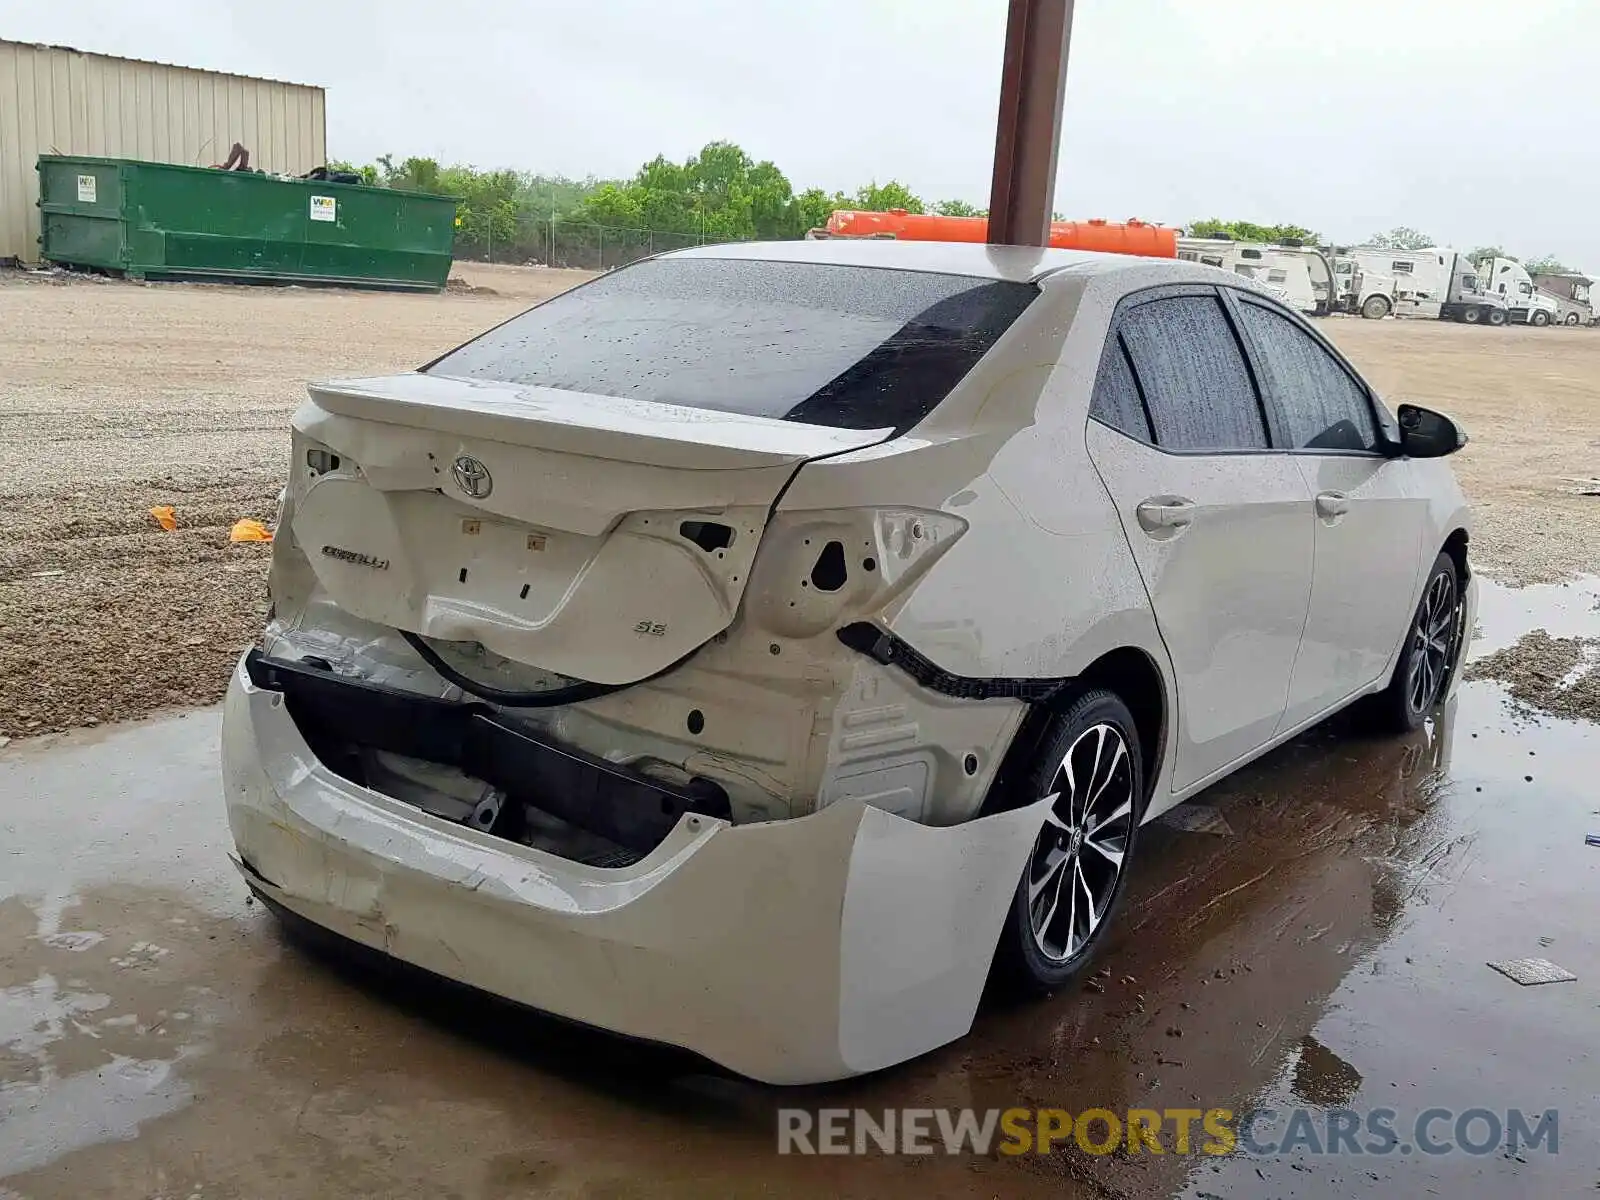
(160, 1037)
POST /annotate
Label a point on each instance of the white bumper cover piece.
(792, 952)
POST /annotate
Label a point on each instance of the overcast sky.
(1469, 119)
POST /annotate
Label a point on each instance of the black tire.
(1375, 308)
(1025, 962)
(1472, 315)
(1572, 319)
(1539, 319)
(1497, 316)
(1430, 655)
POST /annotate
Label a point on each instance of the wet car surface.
(1320, 941)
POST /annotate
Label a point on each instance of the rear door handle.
(1332, 504)
(1165, 512)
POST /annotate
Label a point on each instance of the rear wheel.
(1375, 308)
(1497, 316)
(1090, 769)
(1433, 644)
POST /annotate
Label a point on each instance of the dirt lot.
(115, 398)
(1530, 400)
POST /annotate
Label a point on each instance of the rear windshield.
(850, 347)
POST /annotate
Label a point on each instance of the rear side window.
(850, 347)
(1324, 408)
(1116, 394)
(1193, 375)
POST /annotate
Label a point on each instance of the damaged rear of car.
(577, 685)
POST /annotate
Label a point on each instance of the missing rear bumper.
(791, 951)
(339, 717)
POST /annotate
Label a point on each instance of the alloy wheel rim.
(1080, 853)
(1432, 638)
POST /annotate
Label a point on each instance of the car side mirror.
(1428, 434)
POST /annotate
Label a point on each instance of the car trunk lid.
(593, 536)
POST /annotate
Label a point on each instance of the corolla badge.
(472, 477)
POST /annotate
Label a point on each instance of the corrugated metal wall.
(57, 100)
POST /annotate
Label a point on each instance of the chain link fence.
(558, 242)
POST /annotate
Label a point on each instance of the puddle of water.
(136, 804)
(1564, 610)
(91, 1030)
(41, 1124)
(1321, 943)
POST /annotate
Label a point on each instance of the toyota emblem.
(472, 477)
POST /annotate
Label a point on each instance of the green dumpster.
(166, 221)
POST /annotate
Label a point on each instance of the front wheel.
(1433, 644)
(1090, 768)
(1540, 319)
(1572, 319)
(1472, 315)
(1497, 316)
(1375, 308)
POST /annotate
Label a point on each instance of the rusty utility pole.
(1027, 142)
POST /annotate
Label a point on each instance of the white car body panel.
(1290, 732)
(845, 917)
(705, 944)
(1230, 590)
(577, 499)
(1350, 633)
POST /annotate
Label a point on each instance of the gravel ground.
(1544, 674)
(1530, 401)
(117, 397)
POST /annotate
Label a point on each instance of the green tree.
(419, 174)
(1249, 231)
(368, 173)
(1402, 237)
(815, 205)
(507, 213)
(1548, 264)
(876, 197)
(719, 194)
(486, 202)
(1483, 252)
(619, 205)
(771, 202)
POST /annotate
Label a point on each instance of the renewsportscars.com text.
(1181, 1131)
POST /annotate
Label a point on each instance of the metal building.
(56, 100)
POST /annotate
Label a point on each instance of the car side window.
(1116, 394)
(1196, 386)
(1323, 406)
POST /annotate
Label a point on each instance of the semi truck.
(1435, 282)
(1509, 279)
(1570, 291)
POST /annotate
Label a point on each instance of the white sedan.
(757, 648)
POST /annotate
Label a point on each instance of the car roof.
(1021, 263)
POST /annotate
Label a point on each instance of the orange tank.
(1131, 237)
